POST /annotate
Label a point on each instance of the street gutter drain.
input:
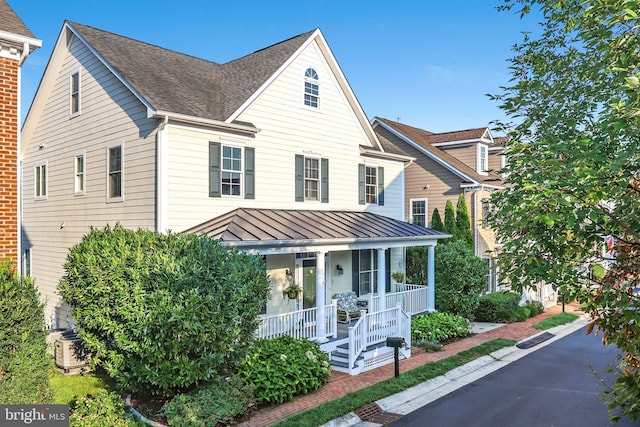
(535, 340)
(374, 414)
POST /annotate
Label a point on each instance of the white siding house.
(136, 134)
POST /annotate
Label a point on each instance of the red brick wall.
(8, 159)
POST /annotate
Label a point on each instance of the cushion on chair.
(347, 301)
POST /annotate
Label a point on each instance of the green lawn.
(66, 387)
(556, 320)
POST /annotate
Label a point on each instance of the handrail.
(299, 324)
(413, 299)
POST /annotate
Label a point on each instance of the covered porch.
(325, 253)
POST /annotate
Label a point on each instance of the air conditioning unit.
(68, 353)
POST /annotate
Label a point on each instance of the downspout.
(23, 56)
(162, 202)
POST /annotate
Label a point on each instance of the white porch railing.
(374, 328)
(299, 324)
(412, 299)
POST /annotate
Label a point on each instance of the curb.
(415, 397)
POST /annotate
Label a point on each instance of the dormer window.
(311, 88)
(483, 158)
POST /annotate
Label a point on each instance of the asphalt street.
(553, 386)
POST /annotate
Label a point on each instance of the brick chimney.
(16, 43)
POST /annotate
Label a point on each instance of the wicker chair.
(347, 304)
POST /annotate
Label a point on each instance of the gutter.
(184, 118)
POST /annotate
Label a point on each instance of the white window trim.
(76, 113)
(46, 181)
(121, 197)
(316, 82)
(241, 171)
(482, 169)
(304, 170)
(26, 262)
(426, 210)
(82, 192)
(376, 167)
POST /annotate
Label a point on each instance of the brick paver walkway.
(340, 383)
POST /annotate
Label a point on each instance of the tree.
(24, 363)
(463, 222)
(450, 220)
(573, 170)
(417, 265)
(436, 221)
(163, 313)
(460, 278)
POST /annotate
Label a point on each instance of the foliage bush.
(105, 409)
(439, 328)
(213, 404)
(162, 313)
(498, 307)
(463, 222)
(284, 367)
(535, 307)
(460, 277)
(417, 265)
(24, 362)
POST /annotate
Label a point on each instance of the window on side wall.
(40, 181)
(371, 185)
(74, 93)
(231, 170)
(483, 158)
(418, 214)
(115, 168)
(311, 179)
(311, 88)
(78, 174)
(26, 262)
(486, 209)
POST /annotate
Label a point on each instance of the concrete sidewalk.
(340, 383)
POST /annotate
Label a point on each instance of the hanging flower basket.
(292, 291)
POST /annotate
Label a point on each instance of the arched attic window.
(311, 88)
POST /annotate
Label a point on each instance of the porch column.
(431, 291)
(382, 285)
(321, 330)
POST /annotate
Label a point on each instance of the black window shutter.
(361, 182)
(249, 173)
(299, 178)
(381, 186)
(387, 268)
(324, 180)
(215, 181)
(355, 272)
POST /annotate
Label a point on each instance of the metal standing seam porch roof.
(264, 228)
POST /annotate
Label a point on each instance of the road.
(553, 386)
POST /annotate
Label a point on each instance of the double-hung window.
(74, 93)
(40, 181)
(79, 174)
(418, 212)
(311, 88)
(368, 272)
(311, 179)
(231, 170)
(115, 168)
(483, 158)
(486, 209)
(371, 185)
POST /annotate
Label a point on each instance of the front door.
(309, 283)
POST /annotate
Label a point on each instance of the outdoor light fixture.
(340, 269)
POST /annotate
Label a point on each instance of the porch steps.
(340, 357)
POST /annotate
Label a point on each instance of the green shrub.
(498, 307)
(105, 409)
(210, 405)
(438, 328)
(535, 306)
(162, 313)
(284, 367)
(460, 278)
(24, 362)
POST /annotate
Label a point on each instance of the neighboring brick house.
(16, 43)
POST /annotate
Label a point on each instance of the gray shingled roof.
(426, 140)
(11, 23)
(177, 83)
(260, 225)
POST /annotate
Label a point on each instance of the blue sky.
(427, 62)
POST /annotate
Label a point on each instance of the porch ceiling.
(295, 228)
